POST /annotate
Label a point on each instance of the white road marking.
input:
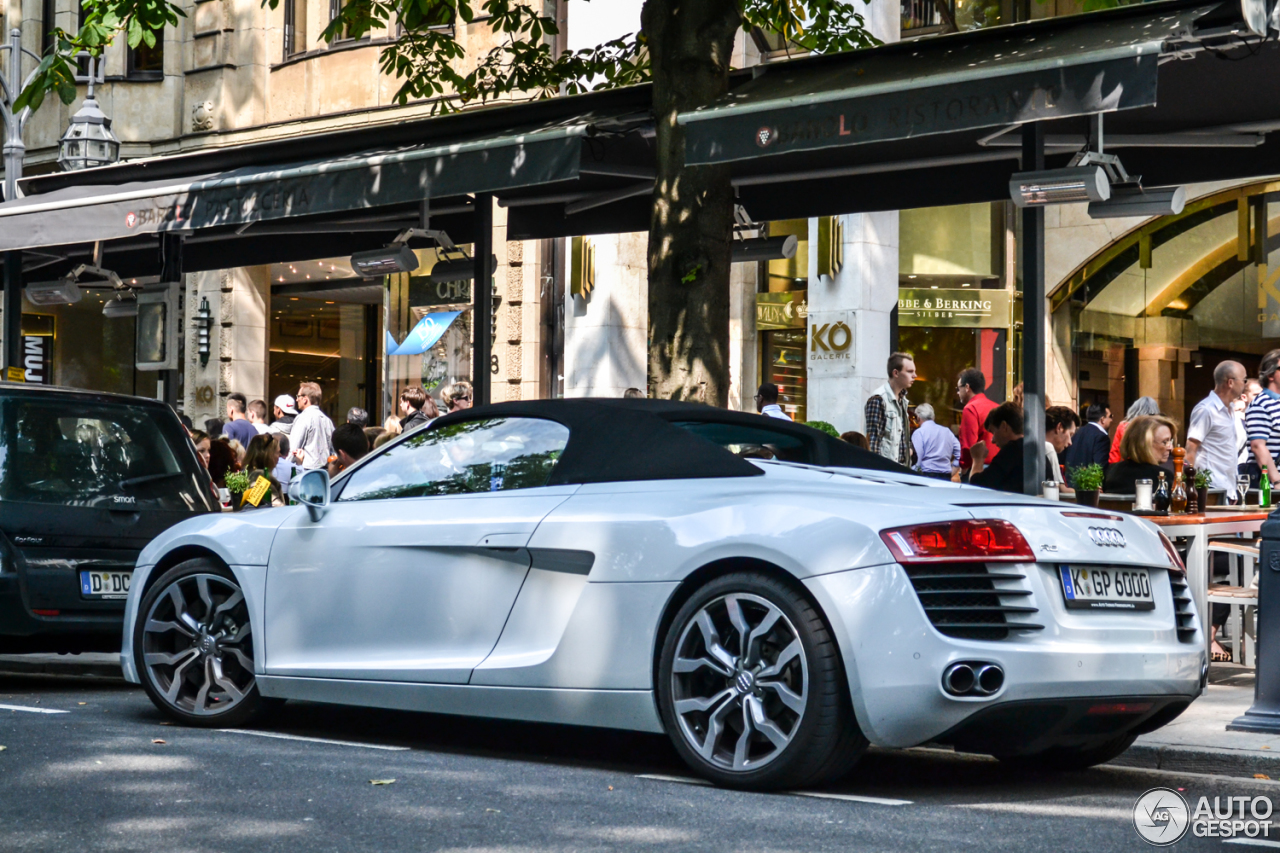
(683, 780)
(1252, 842)
(853, 798)
(316, 740)
(31, 710)
(1051, 809)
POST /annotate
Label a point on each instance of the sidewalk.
(100, 664)
(1198, 741)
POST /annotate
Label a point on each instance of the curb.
(1245, 763)
(60, 665)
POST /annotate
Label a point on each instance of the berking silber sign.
(966, 308)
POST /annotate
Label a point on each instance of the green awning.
(1101, 62)
(359, 181)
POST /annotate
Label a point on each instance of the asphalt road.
(96, 778)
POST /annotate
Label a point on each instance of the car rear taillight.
(1175, 558)
(975, 541)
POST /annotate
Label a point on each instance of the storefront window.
(781, 310)
(80, 348)
(324, 327)
(955, 306)
(1155, 312)
(417, 303)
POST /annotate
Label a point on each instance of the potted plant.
(1203, 478)
(1087, 480)
(237, 484)
(825, 427)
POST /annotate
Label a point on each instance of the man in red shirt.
(974, 417)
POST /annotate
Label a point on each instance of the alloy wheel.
(197, 645)
(740, 682)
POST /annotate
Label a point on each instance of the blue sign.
(426, 334)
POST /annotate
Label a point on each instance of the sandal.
(1223, 656)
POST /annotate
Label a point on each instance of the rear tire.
(193, 647)
(1066, 759)
(752, 690)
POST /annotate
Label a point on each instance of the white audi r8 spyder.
(771, 598)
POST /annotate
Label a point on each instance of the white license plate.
(1106, 588)
(105, 584)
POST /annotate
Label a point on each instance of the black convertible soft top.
(618, 440)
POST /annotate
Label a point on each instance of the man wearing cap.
(284, 414)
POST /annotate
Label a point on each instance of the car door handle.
(504, 540)
(124, 516)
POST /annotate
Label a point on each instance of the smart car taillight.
(1175, 558)
(977, 541)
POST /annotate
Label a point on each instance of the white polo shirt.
(1214, 426)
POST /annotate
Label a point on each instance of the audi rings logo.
(1107, 537)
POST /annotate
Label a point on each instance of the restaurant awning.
(1009, 75)
(354, 190)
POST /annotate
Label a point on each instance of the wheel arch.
(180, 555)
(709, 572)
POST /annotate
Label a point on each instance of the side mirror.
(312, 490)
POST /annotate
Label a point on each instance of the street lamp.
(11, 85)
(88, 141)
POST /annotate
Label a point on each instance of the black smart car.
(86, 480)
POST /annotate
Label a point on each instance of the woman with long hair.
(260, 460)
(1139, 408)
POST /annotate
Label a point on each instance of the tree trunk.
(690, 43)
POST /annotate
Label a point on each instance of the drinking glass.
(1242, 486)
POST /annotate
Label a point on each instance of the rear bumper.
(94, 628)
(894, 658)
(1028, 727)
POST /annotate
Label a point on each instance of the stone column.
(861, 295)
(240, 300)
(606, 332)
(743, 337)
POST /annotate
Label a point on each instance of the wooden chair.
(1240, 593)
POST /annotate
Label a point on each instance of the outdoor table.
(1199, 528)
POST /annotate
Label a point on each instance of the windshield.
(78, 452)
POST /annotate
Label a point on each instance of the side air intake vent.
(1182, 612)
(963, 600)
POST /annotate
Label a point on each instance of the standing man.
(973, 418)
(414, 406)
(238, 425)
(888, 424)
(284, 414)
(1092, 443)
(312, 434)
(258, 416)
(937, 448)
(1211, 434)
(1262, 421)
(767, 402)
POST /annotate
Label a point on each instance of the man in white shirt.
(312, 432)
(258, 415)
(767, 402)
(1211, 434)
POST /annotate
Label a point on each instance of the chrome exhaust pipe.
(958, 679)
(990, 678)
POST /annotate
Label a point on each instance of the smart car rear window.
(77, 452)
(490, 455)
(753, 442)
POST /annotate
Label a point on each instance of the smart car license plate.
(1106, 588)
(105, 584)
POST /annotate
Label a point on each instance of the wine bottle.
(1160, 497)
(1178, 494)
